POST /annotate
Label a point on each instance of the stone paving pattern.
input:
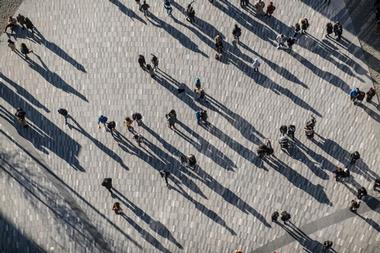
(86, 61)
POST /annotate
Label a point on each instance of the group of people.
(357, 96)
(13, 24)
(336, 28)
(150, 68)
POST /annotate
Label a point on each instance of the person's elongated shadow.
(370, 222)
(309, 244)
(206, 148)
(65, 189)
(23, 92)
(37, 36)
(370, 112)
(161, 160)
(175, 33)
(52, 137)
(130, 13)
(339, 153)
(52, 77)
(279, 69)
(204, 210)
(36, 191)
(299, 181)
(97, 143)
(155, 225)
(228, 195)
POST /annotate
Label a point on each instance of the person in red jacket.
(270, 9)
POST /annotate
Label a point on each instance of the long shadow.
(65, 189)
(24, 93)
(209, 150)
(15, 239)
(279, 69)
(160, 159)
(40, 39)
(229, 196)
(308, 244)
(97, 143)
(35, 191)
(155, 225)
(299, 181)
(53, 136)
(175, 33)
(370, 112)
(130, 13)
(204, 210)
(343, 156)
(53, 78)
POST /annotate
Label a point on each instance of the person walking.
(219, 46)
(256, 64)
(199, 92)
(297, 30)
(102, 120)
(354, 206)
(190, 13)
(354, 157)
(128, 123)
(260, 5)
(236, 32)
(290, 42)
(12, 24)
(327, 245)
(168, 7)
(338, 30)
(244, 3)
(280, 41)
(370, 94)
(20, 116)
(117, 209)
(145, 8)
(285, 216)
(29, 25)
(275, 216)
(12, 45)
(189, 161)
(111, 126)
(154, 61)
(25, 50)
(165, 175)
(172, 118)
(362, 192)
(138, 118)
(270, 9)
(107, 183)
(141, 61)
(376, 184)
(64, 113)
(329, 29)
(138, 138)
(265, 149)
(304, 24)
(201, 117)
(21, 20)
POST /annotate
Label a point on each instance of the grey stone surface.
(86, 61)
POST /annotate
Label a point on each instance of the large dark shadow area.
(124, 9)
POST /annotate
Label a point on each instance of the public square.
(85, 60)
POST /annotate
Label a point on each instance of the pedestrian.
(107, 183)
(285, 216)
(265, 149)
(260, 5)
(376, 184)
(304, 23)
(219, 46)
(145, 8)
(138, 2)
(327, 245)
(138, 138)
(362, 192)
(256, 64)
(297, 29)
(128, 123)
(150, 70)
(338, 30)
(291, 131)
(29, 25)
(284, 143)
(309, 131)
(168, 7)
(12, 24)
(64, 113)
(141, 61)
(244, 3)
(370, 94)
(199, 92)
(290, 42)
(111, 126)
(354, 157)
(283, 129)
(280, 41)
(190, 13)
(138, 118)
(172, 118)
(236, 32)
(275, 216)
(165, 174)
(154, 61)
(329, 29)
(21, 20)
(189, 161)
(340, 174)
(12, 45)
(20, 116)
(201, 116)
(102, 120)
(354, 93)
(312, 122)
(270, 9)
(116, 207)
(25, 50)
(354, 206)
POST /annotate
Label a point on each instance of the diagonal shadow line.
(130, 13)
(63, 187)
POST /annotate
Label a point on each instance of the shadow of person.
(130, 13)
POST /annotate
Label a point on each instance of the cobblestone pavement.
(85, 60)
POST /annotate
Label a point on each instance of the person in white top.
(256, 64)
(280, 40)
